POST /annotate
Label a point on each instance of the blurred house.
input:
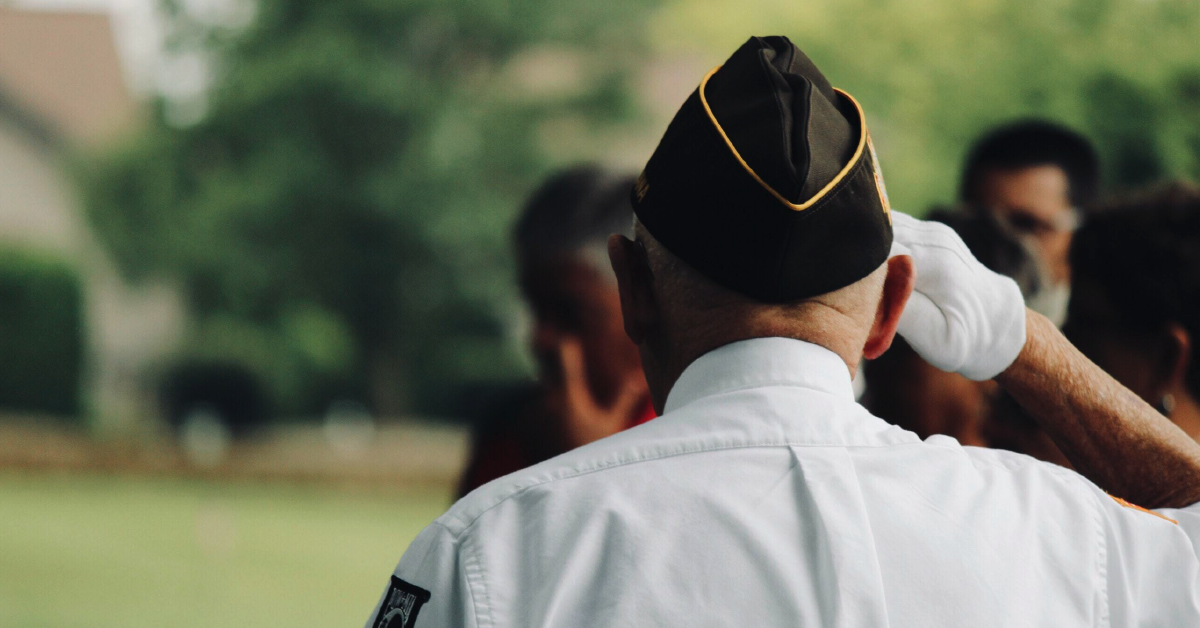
(61, 93)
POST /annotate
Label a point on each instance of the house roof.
(62, 68)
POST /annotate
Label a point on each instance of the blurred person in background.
(590, 382)
(1036, 177)
(1135, 297)
(919, 397)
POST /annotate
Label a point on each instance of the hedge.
(41, 333)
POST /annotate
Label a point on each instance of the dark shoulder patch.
(401, 605)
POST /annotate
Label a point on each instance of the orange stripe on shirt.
(1145, 510)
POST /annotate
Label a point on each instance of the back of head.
(762, 212)
(1140, 256)
(1030, 143)
(696, 305)
(765, 181)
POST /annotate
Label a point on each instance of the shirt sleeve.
(1152, 563)
(429, 587)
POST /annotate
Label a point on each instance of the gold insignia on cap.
(642, 187)
(879, 184)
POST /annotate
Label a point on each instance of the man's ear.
(901, 275)
(632, 269)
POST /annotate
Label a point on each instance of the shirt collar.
(761, 362)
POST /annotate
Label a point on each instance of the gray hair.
(572, 214)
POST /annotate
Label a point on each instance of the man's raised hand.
(962, 317)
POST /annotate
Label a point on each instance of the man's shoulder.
(638, 445)
(1021, 469)
(582, 472)
(1019, 463)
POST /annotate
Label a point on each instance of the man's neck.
(822, 325)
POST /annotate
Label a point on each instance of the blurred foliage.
(303, 361)
(41, 333)
(192, 389)
(339, 207)
(934, 74)
(339, 211)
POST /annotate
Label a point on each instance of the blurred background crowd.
(281, 278)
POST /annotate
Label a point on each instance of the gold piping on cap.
(862, 141)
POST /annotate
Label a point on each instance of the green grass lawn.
(100, 551)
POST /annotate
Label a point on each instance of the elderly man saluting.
(766, 264)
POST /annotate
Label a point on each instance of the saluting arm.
(1109, 434)
(964, 318)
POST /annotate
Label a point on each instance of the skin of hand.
(1109, 434)
(582, 418)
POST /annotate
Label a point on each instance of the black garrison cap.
(766, 181)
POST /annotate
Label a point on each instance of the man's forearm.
(1109, 434)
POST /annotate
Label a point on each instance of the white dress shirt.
(766, 496)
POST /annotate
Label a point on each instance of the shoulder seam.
(1104, 620)
(467, 524)
(476, 579)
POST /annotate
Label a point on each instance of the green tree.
(362, 159)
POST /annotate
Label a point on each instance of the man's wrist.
(1035, 336)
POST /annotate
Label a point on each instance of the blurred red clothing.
(511, 440)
